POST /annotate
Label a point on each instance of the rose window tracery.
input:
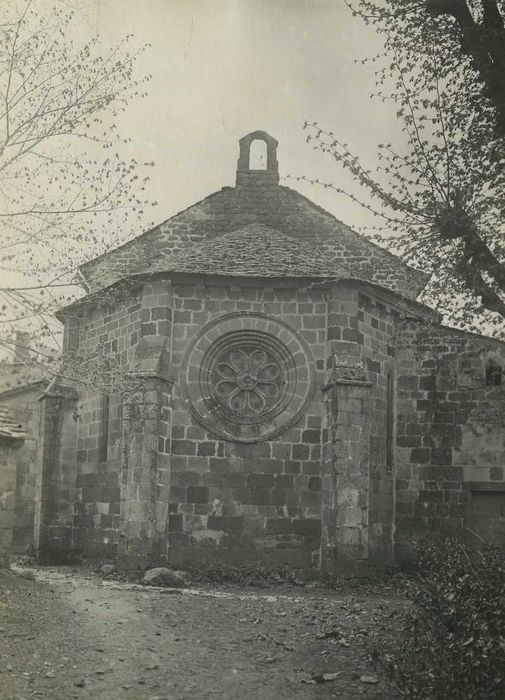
(248, 380)
(247, 377)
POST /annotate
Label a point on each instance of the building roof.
(8, 426)
(257, 198)
(253, 251)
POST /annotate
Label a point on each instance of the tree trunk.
(485, 43)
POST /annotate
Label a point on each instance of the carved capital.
(347, 371)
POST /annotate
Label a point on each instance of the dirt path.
(67, 634)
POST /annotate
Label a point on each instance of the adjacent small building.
(22, 381)
(254, 381)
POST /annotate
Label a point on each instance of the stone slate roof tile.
(278, 207)
(8, 426)
(253, 251)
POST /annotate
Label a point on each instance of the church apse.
(269, 407)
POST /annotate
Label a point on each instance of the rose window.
(247, 377)
(248, 381)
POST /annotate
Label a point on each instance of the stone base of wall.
(188, 550)
(58, 547)
(273, 551)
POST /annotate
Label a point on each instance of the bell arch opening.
(258, 158)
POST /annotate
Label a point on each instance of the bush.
(454, 644)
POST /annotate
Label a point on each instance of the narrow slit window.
(103, 438)
(389, 419)
(71, 337)
(493, 374)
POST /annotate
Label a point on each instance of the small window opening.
(103, 437)
(71, 337)
(390, 419)
(493, 374)
(258, 155)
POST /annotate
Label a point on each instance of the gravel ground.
(66, 633)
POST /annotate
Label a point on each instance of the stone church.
(281, 397)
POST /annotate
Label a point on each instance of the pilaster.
(55, 487)
(345, 471)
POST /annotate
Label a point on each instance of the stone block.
(292, 467)
(206, 449)
(197, 494)
(178, 494)
(309, 527)
(187, 478)
(261, 481)
(300, 452)
(442, 456)
(280, 497)
(311, 436)
(229, 524)
(349, 536)
(407, 524)
(254, 526)
(311, 467)
(430, 473)
(420, 455)
(183, 447)
(279, 525)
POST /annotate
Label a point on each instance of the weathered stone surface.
(222, 444)
(108, 569)
(449, 429)
(161, 576)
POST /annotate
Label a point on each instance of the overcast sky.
(223, 68)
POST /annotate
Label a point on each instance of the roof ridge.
(367, 240)
(157, 226)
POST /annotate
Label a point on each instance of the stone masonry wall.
(223, 498)
(145, 456)
(104, 340)
(377, 321)
(450, 438)
(56, 461)
(249, 501)
(361, 329)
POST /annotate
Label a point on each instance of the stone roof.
(8, 426)
(253, 251)
(286, 211)
(257, 198)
